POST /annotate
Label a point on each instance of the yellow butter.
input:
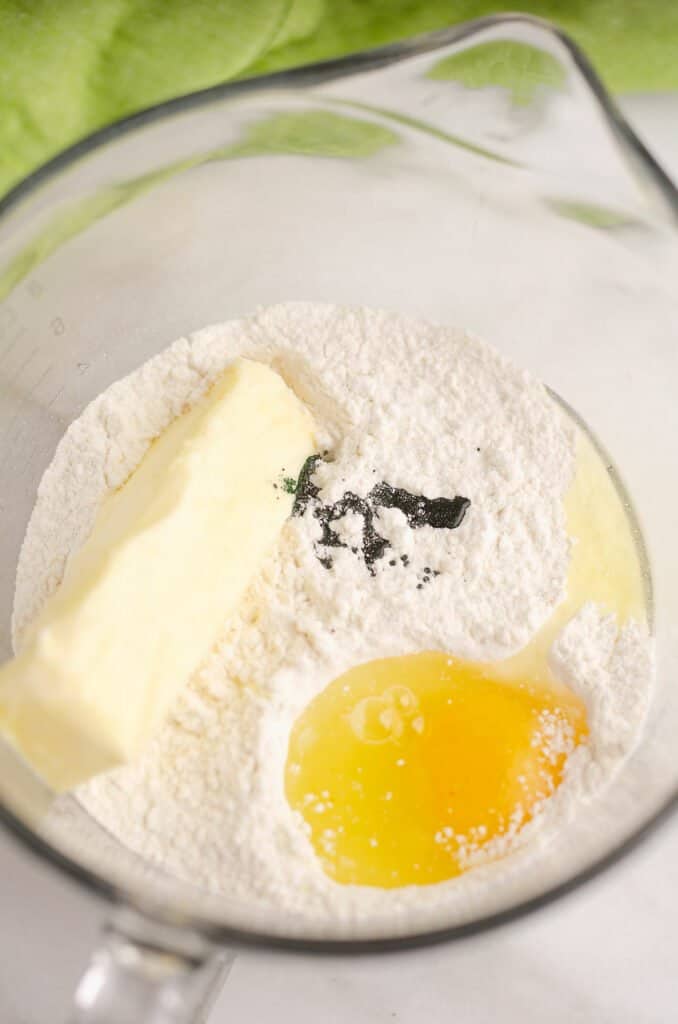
(169, 556)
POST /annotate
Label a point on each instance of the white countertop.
(604, 955)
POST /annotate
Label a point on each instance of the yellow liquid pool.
(406, 769)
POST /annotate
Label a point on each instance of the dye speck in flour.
(438, 513)
(432, 411)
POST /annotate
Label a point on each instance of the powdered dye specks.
(438, 513)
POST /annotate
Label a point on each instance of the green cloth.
(70, 66)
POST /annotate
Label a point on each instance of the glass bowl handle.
(138, 976)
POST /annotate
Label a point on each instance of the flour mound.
(429, 409)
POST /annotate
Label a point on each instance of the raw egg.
(408, 770)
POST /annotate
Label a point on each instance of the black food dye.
(439, 513)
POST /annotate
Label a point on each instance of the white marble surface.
(604, 955)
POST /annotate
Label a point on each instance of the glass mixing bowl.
(479, 177)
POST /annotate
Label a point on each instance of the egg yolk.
(409, 770)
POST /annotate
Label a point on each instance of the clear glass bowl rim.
(304, 77)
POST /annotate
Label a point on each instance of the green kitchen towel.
(70, 66)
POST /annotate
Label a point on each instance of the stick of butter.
(170, 554)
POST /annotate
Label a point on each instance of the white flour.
(426, 408)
